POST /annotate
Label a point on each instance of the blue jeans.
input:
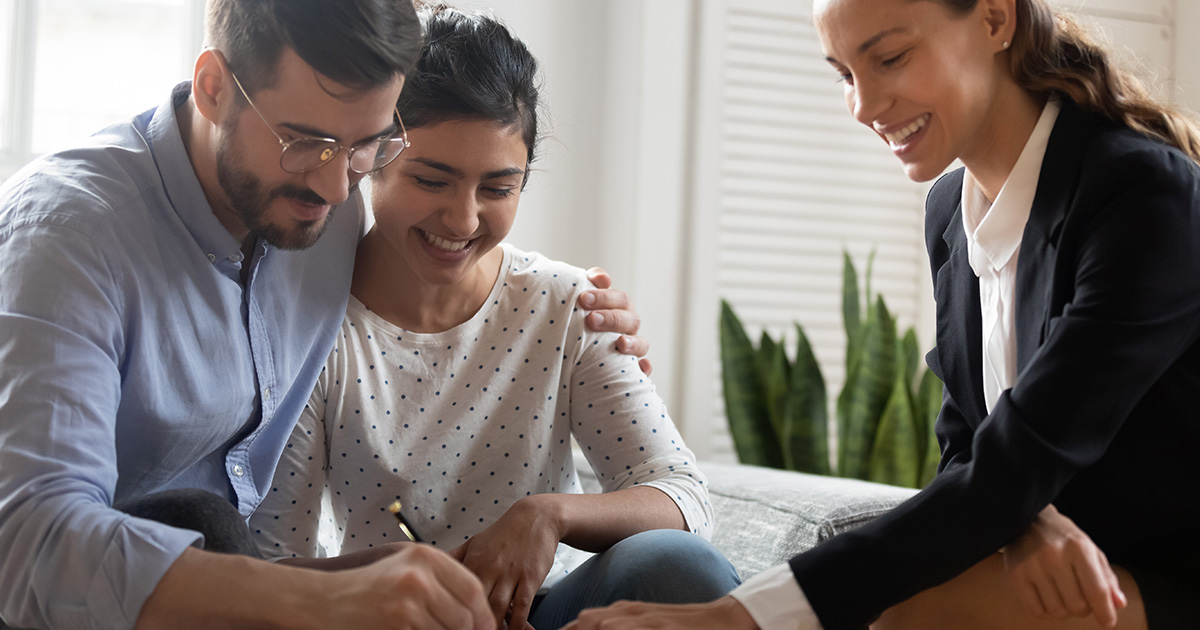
(663, 565)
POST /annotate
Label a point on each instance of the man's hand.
(1058, 571)
(723, 614)
(612, 311)
(414, 588)
(513, 556)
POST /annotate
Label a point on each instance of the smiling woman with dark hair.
(464, 370)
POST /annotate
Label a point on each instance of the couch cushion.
(766, 516)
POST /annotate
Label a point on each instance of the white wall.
(609, 187)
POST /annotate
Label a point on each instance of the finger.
(466, 590)
(1118, 595)
(427, 599)
(599, 277)
(645, 365)
(1094, 581)
(500, 600)
(521, 603)
(459, 553)
(1051, 598)
(418, 617)
(596, 299)
(605, 300)
(620, 322)
(1027, 594)
(632, 345)
(1072, 586)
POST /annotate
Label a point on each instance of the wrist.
(252, 594)
(734, 614)
(546, 512)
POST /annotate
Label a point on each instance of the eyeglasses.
(306, 154)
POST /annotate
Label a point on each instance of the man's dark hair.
(361, 44)
(471, 67)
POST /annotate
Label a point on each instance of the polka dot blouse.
(459, 425)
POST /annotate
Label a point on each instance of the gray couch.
(766, 516)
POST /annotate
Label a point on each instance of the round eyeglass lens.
(307, 154)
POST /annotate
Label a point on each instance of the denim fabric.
(662, 566)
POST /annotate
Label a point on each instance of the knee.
(673, 566)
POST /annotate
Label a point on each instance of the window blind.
(786, 180)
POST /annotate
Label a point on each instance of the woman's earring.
(1005, 45)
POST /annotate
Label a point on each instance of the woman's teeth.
(898, 137)
(441, 243)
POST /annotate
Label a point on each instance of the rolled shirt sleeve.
(70, 560)
(624, 430)
(135, 359)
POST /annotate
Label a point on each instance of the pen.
(394, 508)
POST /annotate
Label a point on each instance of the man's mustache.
(303, 195)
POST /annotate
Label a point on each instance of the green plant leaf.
(865, 395)
(745, 395)
(909, 357)
(894, 455)
(776, 374)
(851, 310)
(806, 424)
(926, 407)
(870, 272)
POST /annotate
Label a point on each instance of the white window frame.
(16, 149)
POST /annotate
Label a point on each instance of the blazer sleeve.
(953, 432)
(1129, 252)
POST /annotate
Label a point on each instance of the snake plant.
(778, 410)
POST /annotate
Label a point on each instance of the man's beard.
(249, 201)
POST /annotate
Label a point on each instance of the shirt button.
(238, 471)
(212, 257)
(267, 394)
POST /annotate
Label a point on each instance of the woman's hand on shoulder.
(513, 557)
(612, 311)
(1057, 571)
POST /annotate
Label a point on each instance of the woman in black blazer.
(1067, 428)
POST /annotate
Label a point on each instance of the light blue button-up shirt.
(133, 360)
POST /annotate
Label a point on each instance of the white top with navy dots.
(459, 425)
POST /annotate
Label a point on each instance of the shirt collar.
(994, 231)
(181, 184)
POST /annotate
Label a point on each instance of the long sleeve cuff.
(776, 602)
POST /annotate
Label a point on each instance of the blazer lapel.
(957, 294)
(1057, 183)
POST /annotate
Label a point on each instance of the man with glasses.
(168, 295)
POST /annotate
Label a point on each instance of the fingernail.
(597, 319)
(588, 300)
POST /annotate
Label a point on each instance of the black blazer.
(1105, 413)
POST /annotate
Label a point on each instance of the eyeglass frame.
(337, 146)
